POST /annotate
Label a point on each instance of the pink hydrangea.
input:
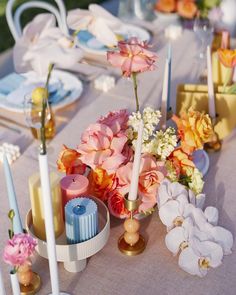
(18, 249)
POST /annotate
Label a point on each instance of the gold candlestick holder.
(33, 287)
(215, 144)
(131, 243)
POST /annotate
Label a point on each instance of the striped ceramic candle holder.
(81, 217)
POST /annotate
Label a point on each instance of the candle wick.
(73, 180)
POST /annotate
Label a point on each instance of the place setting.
(151, 159)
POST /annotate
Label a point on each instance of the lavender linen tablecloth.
(155, 271)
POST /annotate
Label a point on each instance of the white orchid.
(216, 234)
(199, 256)
(197, 200)
(212, 215)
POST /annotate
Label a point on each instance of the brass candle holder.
(131, 243)
(215, 144)
(33, 287)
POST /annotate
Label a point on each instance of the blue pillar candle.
(81, 218)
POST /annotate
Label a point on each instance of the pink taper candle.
(133, 191)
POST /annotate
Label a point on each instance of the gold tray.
(196, 96)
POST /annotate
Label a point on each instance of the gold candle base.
(128, 250)
(139, 242)
(33, 287)
(215, 144)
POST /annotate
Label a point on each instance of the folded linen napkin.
(43, 43)
(98, 21)
(10, 83)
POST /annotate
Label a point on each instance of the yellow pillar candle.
(216, 68)
(37, 205)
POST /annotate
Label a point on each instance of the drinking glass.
(33, 115)
(204, 31)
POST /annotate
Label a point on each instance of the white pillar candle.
(133, 191)
(48, 214)
(211, 96)
(2, 288)
(164, 96)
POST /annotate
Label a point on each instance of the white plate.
(93, 46)
(201, 160)
(69, 81)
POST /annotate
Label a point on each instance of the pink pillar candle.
(73, 186)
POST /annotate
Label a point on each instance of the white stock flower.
(196, 182)
(199, 256)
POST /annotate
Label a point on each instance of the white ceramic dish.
(93, 46)
(70, 83)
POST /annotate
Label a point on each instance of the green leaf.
(232, 89)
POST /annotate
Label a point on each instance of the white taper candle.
(48, 215)
(211, 96)
(15, 286)
(133, 191)
(164, 96)
(2, 288)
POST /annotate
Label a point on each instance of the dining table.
(109, 272)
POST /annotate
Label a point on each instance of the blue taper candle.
(169, 76)
(17, 225)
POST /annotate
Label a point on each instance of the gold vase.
(25, 274)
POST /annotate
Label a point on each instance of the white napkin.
(97, 21)
(43, 43)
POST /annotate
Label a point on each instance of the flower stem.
(134, 76)
(43, 150)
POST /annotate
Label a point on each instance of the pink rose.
(19, 249)
(99, 148)
(151, 175)
(117, 121)
(132, 57)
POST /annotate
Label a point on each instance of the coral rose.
(227, 57)
(194, 129)
(19, 249)
(187, 8)
(152, 173)
(99, 148)
(70, 162)
(116, 205)
(181, 161)
(117, 121)
(132, 57)
(101, 184)
(166, 5)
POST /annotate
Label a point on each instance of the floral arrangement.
(19, 248)
(189, 9)
(107, 148)
(192, 232)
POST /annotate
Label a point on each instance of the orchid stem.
(134, 76)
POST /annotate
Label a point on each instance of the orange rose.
(70, 162)
(227, 57)
(181, 161)
(116, 205)
(102, 183)
(194, 130)
(186, 8)
(166, 6)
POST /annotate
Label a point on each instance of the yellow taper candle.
(37, 205)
